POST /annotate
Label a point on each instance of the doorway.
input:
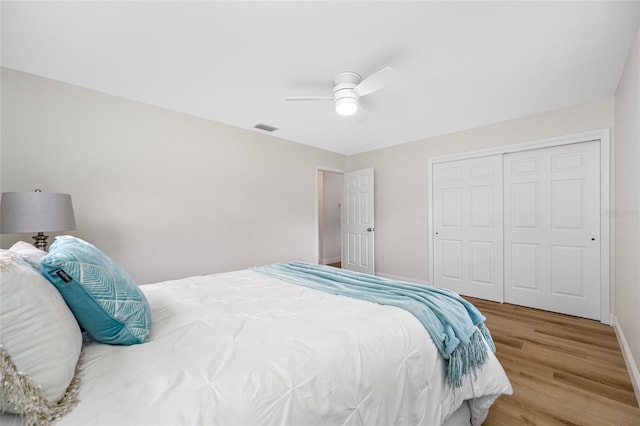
(346, 222)
(329, 217)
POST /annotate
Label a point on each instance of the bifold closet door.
(552, 229)
(467, 220)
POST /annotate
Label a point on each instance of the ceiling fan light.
(346, 106)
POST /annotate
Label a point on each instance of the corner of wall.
(634, 373)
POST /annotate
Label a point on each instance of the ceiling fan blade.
(376, 81)
(310, 98)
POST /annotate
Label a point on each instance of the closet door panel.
(467, 206)
(552, 229)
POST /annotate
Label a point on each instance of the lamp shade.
(25, 212)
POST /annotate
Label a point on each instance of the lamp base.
(40, 241)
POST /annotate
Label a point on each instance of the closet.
(525, 226)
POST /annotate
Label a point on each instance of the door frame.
(603, 135)
(317, 207)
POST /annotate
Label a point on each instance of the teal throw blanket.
(455, 325)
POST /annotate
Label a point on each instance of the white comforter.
(240, 348)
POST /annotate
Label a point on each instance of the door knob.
(371, 229)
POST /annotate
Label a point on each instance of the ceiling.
(461, 64)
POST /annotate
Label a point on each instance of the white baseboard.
(330, 260)
(632, 366)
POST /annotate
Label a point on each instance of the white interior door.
(358, 226)
(467, 222)
(552, 229)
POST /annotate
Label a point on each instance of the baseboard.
(330, 260)
(400, 278)
(632, 367)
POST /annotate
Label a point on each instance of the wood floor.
(564, 370)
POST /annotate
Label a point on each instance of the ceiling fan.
(348, 87)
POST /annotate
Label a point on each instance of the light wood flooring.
(564, 370)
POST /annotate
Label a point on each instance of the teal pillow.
(104, 299)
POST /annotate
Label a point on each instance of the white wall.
(165, 194)
(627, 212)
(401, 178)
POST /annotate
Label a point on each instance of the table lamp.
(26, 212)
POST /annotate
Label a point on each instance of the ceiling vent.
(265, 127)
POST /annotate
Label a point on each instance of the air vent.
(265, 127)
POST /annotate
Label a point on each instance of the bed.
(247, 348)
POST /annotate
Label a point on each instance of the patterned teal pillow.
(104, 299)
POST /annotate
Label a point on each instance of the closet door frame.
(601, 135)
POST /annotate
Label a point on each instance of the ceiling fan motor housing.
(343, 91)
(343, 85)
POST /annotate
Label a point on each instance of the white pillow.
(40, 339)
(29, 253)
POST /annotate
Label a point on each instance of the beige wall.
(627, 210)
(151, 185)
(401, 178)
(165, 194)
